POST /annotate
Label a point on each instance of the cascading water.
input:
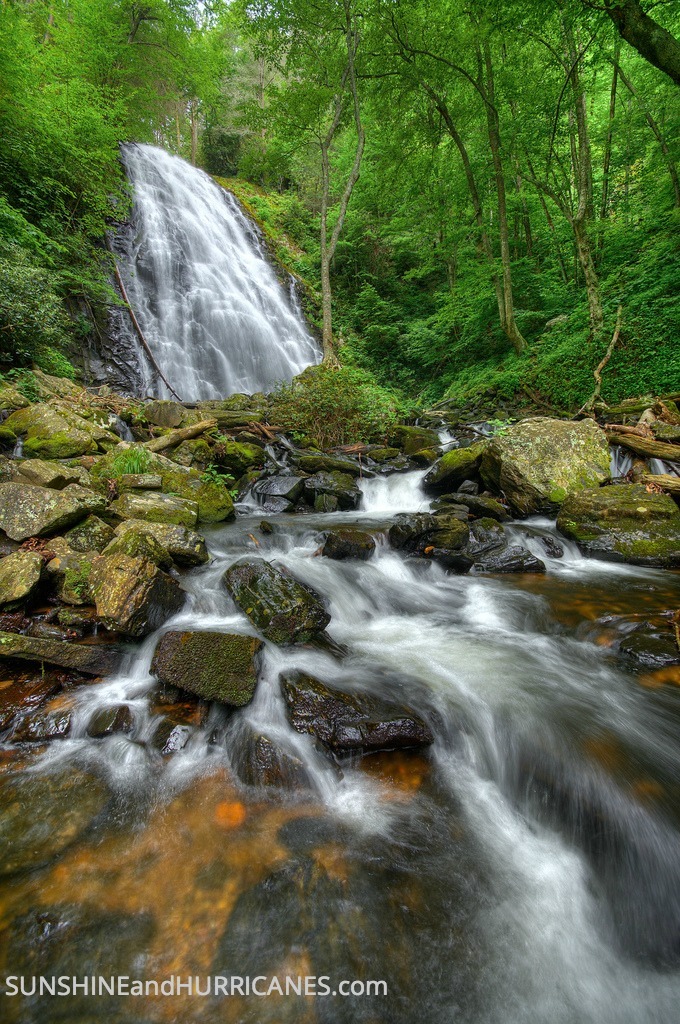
(214, 315)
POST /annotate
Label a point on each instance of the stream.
(525, 868)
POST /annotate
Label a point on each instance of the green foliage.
(214, 475)
(335, 406)
(133, 460)
(25, 383)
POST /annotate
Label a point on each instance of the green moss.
(61, 445)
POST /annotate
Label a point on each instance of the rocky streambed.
(402, 713)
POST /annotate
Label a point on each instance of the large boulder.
(350, 722)
(214, 666)
(258, 761)
(72, 574)
(19, 576)
(154, 507)
(185, 546)
(512, 558)
(140, 544)
(28, 511)
(132, 595)
(538, 462)
(449, 472)
(94, 660)
(283, 609)
(476, 504)
(55, 432)
(238, 457)
(624, 523)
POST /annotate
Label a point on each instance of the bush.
(334, 406)
(32, 317)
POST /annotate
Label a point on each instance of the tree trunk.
(511, 329)
(606, 162)
(651, 40)
(194, 131)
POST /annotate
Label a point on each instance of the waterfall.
(215, 316)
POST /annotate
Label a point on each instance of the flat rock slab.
(350, 722)
(216, 666)
(624, 523)
(157, 508)
(29, 511)
(92, 659)
(283, 609)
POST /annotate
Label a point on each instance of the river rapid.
(523, 870)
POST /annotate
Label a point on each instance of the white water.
(212, 310)
(554, 934)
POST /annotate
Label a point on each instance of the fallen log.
(663, 480)
(644, 445)
(175, 437)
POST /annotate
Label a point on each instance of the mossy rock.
(196, 453)
(453, 468)
(283, 609)
(345, 543)
(538, 462)
(93, 534)
(156, 508)
(624, 523)
(58, 432)
(72, 572)
(328, 464)
(28, 511)
(185, 546)
(381, 455)
(140, 544)
(238, 457)
(413, 439)
(132, 595)
(11, 399)
(215, 666)
(19, 576)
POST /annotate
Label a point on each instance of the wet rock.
(78, 942)
(81, 619)
(156, 508)
(283, 609)
(426, 457)
(47, 474)
(107, 721)
(216, 666)
(326, 503)
(170, 736)
(93, 534)
(92, 659)
(468, 487)
(624, 523)
(538, 462)
(477, 504)
(72, 575)
(50, 722)
(453, 468)
(286, 488)
(339, 485)
(413, 439)
(42, 814)
(28, 511)
(553, 547)
(19, 576)
(185, 546)
(329, 464)
(22, 696)
(652, 644)
(347, 543)
(408, 527)
(132, 595)
(485, 535)
(141, 482)
(443, 507)
(513, 558)
(448, 546)
(139, 544)
(258, 761)
(350, 722)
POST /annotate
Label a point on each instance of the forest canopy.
(473, 196)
